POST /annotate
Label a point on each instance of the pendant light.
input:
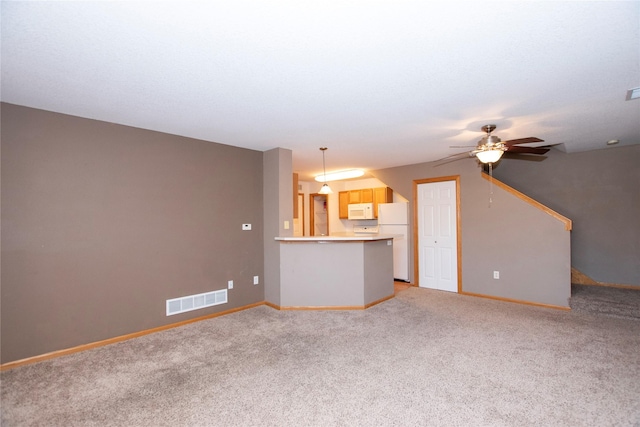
(325, 187)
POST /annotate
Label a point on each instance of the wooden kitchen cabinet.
(354, 196)
(365, 195)
(381, 195)
(343, 205)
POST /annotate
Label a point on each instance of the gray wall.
(530, 248)
(102, 223)
(278, 208)
(600, 191)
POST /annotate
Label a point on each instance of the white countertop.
(337, 237)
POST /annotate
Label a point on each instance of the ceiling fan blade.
(522, 141)
(520, 156)
(454, 157)
(462, 146)
(530, 150)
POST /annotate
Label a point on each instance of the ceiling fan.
(491, 148)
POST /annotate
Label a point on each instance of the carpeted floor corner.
(608, 301)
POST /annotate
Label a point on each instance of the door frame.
(416, 246)
(301, 214)
(301, 218)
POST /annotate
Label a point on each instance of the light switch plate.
(246, 227)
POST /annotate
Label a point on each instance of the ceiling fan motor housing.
(490, 142)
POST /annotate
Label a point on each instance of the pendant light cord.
(325, 187)
(324, 169)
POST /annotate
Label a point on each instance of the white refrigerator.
(393, 218)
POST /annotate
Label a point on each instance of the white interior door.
(437, 236)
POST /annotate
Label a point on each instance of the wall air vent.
(633, 93)
(195, 302)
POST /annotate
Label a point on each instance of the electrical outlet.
(286, 225)
(230, 284)
(256, 280)
(496, 274)
(246, 227)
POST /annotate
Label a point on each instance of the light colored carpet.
(608, 301)
(423, 358)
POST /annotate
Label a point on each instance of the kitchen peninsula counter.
(340, 271)
(337, 237)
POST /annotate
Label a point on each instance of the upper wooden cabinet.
(343, 200)
(354, 196)
(381, 195)
(365, 195)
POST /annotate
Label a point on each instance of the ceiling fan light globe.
(489, 156)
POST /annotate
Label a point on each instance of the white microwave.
(361, 211)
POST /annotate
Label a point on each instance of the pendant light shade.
(325, 187)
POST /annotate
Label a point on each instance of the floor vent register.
(195, 302)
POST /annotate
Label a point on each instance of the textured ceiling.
(380, 83)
